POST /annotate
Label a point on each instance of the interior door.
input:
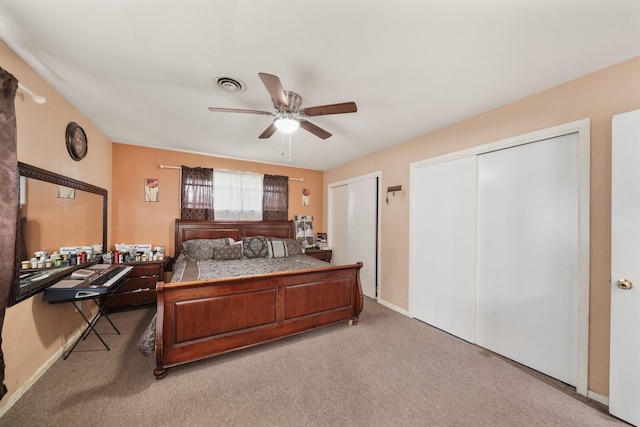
(443, 249)
(528, 255)
(624, 378)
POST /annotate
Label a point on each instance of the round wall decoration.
(76, 141)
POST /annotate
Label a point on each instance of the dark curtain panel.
(275, 198)
(196, 201)
(8, 198)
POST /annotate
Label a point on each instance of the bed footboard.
(202, 319)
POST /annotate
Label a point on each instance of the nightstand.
(139, 287)
(321, 254)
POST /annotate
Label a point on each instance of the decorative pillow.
(294, 247)
(202, 249)
(277, 249)
(255, 247)
(228, 252)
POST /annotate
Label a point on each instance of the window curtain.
(275, 206)
(237, 196)
(8, 198)
(196, 200)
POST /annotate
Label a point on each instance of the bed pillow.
(202, 249)
(294, 247)
(277, 249)
(228, 252)
(255, 247)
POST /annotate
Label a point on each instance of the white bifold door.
(496, 251)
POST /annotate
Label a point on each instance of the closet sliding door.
(363, 232)
(499, 248)
(444, 238)
(527, 264)
(353, 228)
(339, 223)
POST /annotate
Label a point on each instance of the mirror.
(55, 212)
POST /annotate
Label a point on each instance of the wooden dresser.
(321, 254)
(139, 287)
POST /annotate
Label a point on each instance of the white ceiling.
(142, 71)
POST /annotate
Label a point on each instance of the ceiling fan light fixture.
(286, 124)
(288, 116)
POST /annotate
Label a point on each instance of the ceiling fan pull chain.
(289, 148)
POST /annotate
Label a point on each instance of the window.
(237, 195)
(233, 196)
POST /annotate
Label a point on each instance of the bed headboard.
(191, 229)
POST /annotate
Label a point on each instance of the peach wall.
(34, 331)
(137, 221)
(598, 96)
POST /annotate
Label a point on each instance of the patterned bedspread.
(185, 270)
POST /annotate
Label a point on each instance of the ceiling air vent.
(229, 84)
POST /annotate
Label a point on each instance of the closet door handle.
(624, 284)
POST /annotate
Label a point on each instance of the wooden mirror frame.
(19, 293)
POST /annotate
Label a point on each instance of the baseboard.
(598, 397)
(393, 307)
(36, 376)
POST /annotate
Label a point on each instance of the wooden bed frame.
(205, 318)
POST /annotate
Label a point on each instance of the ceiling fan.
(288, 114)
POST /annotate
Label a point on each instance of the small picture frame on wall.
(306, 197)
(151, 190)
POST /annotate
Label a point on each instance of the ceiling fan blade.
(268, 131)
(322, 110)
(239, 110)
(274, 87)
(317, 131)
